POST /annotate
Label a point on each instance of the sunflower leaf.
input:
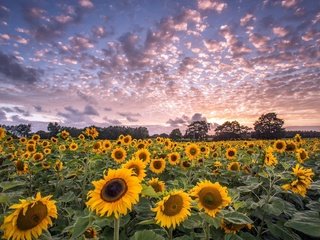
(307, 222)
(9, 185)
(237, 218)
(146, 235)
(149, 191)
(80, 226)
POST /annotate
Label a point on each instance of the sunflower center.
(157, 164)
(20, 165)
(210, 198)
(235, 167)
(136, 169)
(193, 151)
(113, 190)
(34, 215)
(156, 187)
(118, 154)
(303, 155)
(173, 158)
(279, 146)
(173, 205)
(231, 153)
(186, 164)
(143, 156)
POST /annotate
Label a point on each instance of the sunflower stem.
(170, 231)
(116, 228)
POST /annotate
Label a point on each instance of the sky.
(159, 63)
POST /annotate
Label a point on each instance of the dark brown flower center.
(193, 151)
(135, 169)
(303, 155)
(156, 187)
(20, 165)
(231, 153)
(279, 145)
(143, 156)
(157, 164)
(118, 154)
(173, 205)
(235, 167)
(210, 198)
(114, 190)
(186, 164)
(173, 158)
(34, 215)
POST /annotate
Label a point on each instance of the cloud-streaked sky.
(159, 63)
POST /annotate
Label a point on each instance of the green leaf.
(185, 237)
(276, 207)
(147, 222)
(249, 188)
(307, 222)
(146, 235)
(4, 198)
(68, 197)
(247, 236)
(237, 218)
(214, 221)
(80, 226)
(279, 231)
(9, 185)
(194, 221)
(149, 191)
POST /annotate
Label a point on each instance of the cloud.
(107, 109)
(13, 70)
(38, 108)
(86, 3)
(3, 116)
(89, 110)
(247, 19)
(99, 32)
(112, 121)
(198, 117)
(179, 121)
(87, 98)
(215, 5)
(130, 116)
(280, 31)
(289, 3)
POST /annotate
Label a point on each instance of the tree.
(198, 130)
(175, 134)
(54, 128)
(231, 130)
(269, 126)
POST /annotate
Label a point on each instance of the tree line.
(268, 126)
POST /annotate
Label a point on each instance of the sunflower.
(137, 166)
(47, 151)
(279, 146)
(231, 153)
(302, 181)
(174, 158)
(58, 166)
(22, 140)
(233, 166)
(64, 134)
(45, 165)
(26, 155)
(35, 137)
(22, 167)
(157, 185)
(192, 151)
(81, 137)
(115, 193)
(173, 209)
(127, 140)
(185, 165)
(31, 148)
(158, 165)
(29, 218)
(73, 146)
(45, 143)
(106, 145)
(233, 228)
(297, 138)
(143, 154)
(37, 156)
(211, 197)
(91, 233)
(62, 147)
(92, 132)
(301, 155)
(97, 146)
(270, 159)
(291, 146)
(119, 154)
(54, 140)
(2, 133)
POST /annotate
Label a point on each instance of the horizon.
(161, 64)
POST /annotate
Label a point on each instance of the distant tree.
(198, 130)
(269, 126)
(164, 135)
(53, 128)
(175, 134)
(231, 130)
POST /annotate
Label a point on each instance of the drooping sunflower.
(211, 197)
(233, 166)
(231, 153)
(192, 151)
(22, 167)
(143, 154)
(157, 165)
(233, 228)
(115, 194)
(291, 146)
(119, 154)
(174, 158)
(280, 146)
(301, 155)
(173, 209)
(137, 166)
(157, 185)
(45, 165)
(58, 166)
(185, 165)
(29, 218)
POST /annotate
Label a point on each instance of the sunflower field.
(84, 188)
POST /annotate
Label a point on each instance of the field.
(158, 188)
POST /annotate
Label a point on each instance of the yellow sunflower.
(73, 146)
(22, 140)
(58, 166)
(47, 151)
(64, 134)
(115, 193)
(279, 146)
(137, 166)
(173, 209)
(174, 158)
(231, 153)
(158, 165)
(291, 146)
(233, 166)
(126, 140)
(2, 133)
(233, 228)
(157, 185)
(35, 137)
(30, 218)
(192, 151)
(143, 154)
(211, 197)
(119, 154)
(106, 145)
(31, 148)
(37, 156)
(22, 167)
(301, 155)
